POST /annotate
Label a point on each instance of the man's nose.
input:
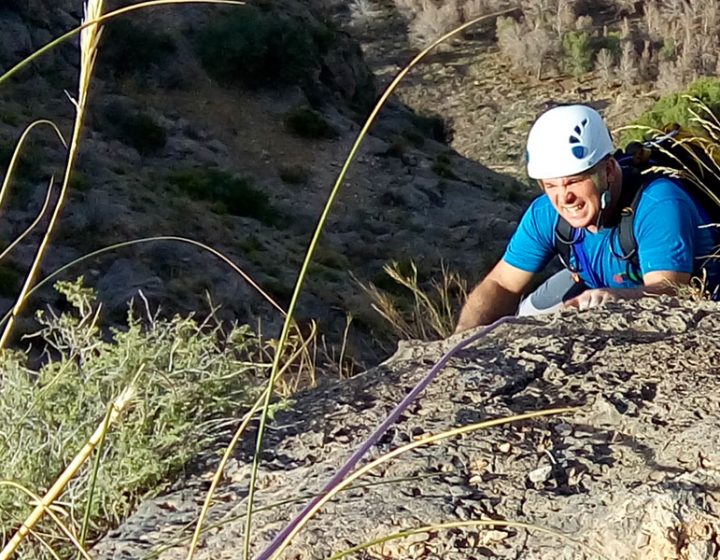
(568, 194)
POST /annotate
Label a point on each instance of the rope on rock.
(378, 433)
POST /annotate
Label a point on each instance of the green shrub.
(306, 123)
(433, 126)
(294, 174)
(79, 181)
(669, 49)
(578, 50)
(233, 195)
(610, 41)
(187, 380)
(442, 167)
(143, 133)
(258, 48)
(134, 128)
(676, 109)
(27, 166)
(414, 137)
(129, 48)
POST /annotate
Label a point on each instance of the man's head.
(569, 152)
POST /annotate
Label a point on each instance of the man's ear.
(613, 170)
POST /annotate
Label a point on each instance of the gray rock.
(604, 494)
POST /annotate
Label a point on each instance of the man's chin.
(578, 222)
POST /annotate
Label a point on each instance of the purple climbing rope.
(377, 434)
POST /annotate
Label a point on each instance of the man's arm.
(655, 283)
(496, 296)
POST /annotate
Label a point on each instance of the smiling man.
(570, 154)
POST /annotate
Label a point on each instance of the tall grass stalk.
(18, 148)
(179, 541)
(428, 440)
(89, 39)
(57, 272)
(94, 476)
(51, 514)
(231, 446)
(464, 524)
(34, 223)
(313, 244)
(120, 403)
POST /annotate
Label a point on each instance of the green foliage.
(414, 137)
(669, 49)
(233, 195)
(130, 48)
(294, 174)
(675, 109)
(578, 50)
(433, 126)
(79, 181)
(186, 378)
(306, 123)
(257, 48)
(27, 167)
(611, 41)
(442, 167)
(134, 128)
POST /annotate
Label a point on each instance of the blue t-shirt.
(667, 230)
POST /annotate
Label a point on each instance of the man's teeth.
(573, 209)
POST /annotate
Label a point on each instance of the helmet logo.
(578, 150)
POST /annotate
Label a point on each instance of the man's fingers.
(589, 299)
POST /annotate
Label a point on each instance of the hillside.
(170, 137)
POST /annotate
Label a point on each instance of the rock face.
(632, 474)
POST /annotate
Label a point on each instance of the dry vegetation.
(668, 43)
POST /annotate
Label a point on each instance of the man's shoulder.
(541, 207)
(663, 188)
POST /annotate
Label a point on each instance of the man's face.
(577, 198)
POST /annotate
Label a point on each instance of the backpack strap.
(564, 239)
(635, 185)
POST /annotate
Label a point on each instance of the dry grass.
(428, 313)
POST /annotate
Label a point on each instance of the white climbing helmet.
(567, 140)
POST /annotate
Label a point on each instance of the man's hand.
(593, 298)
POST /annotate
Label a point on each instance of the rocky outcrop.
(632, 474)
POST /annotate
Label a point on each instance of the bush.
(294, 174)
(258, 48)
(442, 167)
(306, 123)
(134, 128)
(676, 109)
(578, 51)
(143, 133)
(236, 196)
(188, 379)
(433, 126)
(26, 167)
(129, 48)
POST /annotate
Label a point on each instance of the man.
(570, 154)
